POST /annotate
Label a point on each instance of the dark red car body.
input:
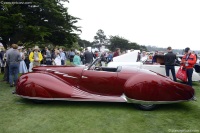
(121, 84)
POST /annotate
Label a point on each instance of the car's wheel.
(146, 107)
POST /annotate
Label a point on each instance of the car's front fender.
(156, 89)
(42, 85)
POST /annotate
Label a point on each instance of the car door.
(99, 82)
(156, 68)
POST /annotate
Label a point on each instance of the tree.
(39, 21)
(84, 43)
(118, 42)
(123, 44)
(134, 46)
(143, 48)
(100, 39)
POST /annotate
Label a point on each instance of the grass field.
(22, 116)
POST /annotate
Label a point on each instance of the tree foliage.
(39, 21)
(155, 48)
(114, 42)
(123, 44)
(84, 43)
(100, 39)
(118, 42)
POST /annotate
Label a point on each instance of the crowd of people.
(188, 61)
(17, 59)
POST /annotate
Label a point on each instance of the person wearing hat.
(35, 57)
(188, 61)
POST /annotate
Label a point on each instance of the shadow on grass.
(176, 106)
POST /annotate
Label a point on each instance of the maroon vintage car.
(95, 83)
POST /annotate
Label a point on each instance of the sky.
(160, 23)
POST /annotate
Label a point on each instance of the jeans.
(71, 58)
(27, 62)
(172, 68)
(7, 74)
(13, 71)
(62, 62)
(48, 62)
(189, 75)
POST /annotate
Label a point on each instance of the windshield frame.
(94, 63)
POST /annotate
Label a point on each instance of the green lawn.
(22, 116)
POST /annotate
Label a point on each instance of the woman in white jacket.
(57, 60)
(22, 65)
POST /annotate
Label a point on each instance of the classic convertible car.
(129, 59)
(95, 83)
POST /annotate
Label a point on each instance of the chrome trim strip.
(129, 100)
(72, 99)
(124, 97)
(50, 70)
(58, 73)
(68, 76)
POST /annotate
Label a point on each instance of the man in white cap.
(35, 57)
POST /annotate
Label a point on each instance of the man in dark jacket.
(88, 56)
(170, 59)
